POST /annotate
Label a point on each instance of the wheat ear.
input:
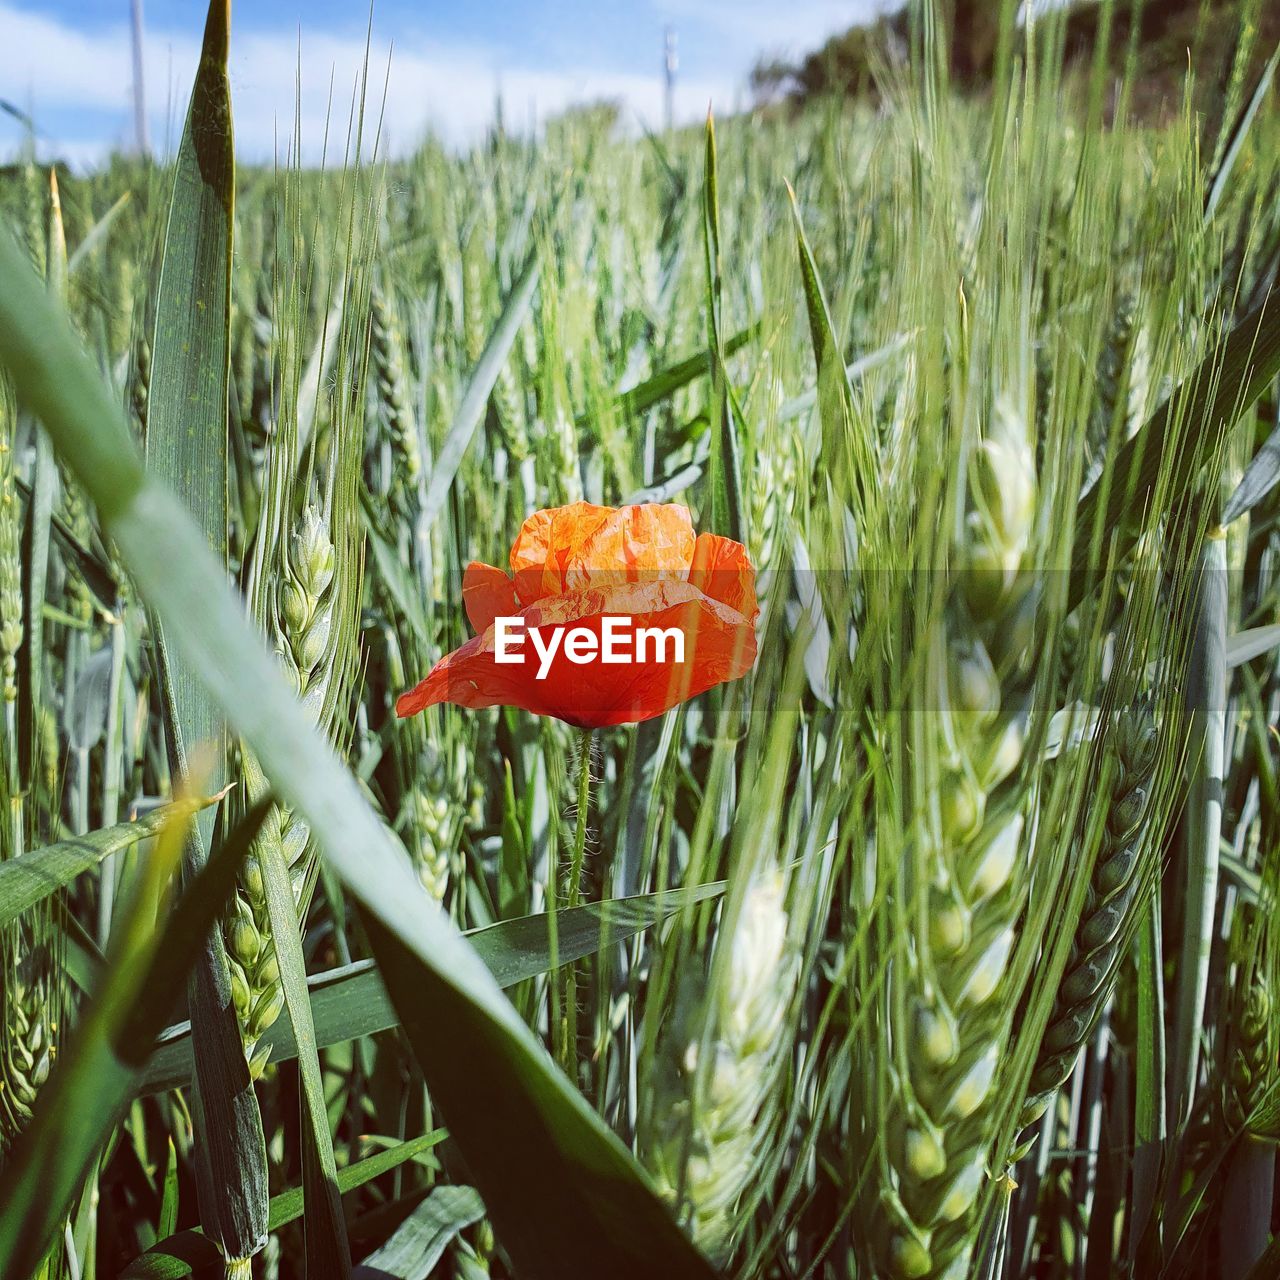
(702, 1144)
(948, 1013)
(1104, 925)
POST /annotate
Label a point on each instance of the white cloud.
(58, 72)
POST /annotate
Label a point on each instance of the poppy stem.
(584, 808)
(569, 1043)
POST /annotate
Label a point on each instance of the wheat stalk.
(702, 1144)
(508, 400)
(34, 228)
(28, 1048)
(1105, 924)
(10, 579)
(947, 1014)
(555, 418)
(312, 641)
(305, 585)
(1251, 1067)
(391, 389)
(27, 1011)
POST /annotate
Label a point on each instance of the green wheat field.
(944, 944)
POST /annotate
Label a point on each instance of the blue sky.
(67, 62)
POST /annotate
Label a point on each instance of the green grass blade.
(35, 557)
(1244, 646)
(1247, 1201)
(1224, 385)
(40, 872)
(834, 392)
(1239, 132)
(1149, 1108)
(724, 471)
(192, 1252)
(328, 1254)
(186, 444)
(187, 1253)
(420, 1241)
(666, 382)
(859, 368)
(1269, 1264)
(96, 235)
(397, 578)
(168, 1220)
(352, 1001)
(1259, 478)
(471, 411)
(187, 450)
(1207, 679)
(94, 1081)
(508, 1097)
(288, 1205)
(96, 574)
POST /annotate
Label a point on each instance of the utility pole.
(670, 62)
(139, 88)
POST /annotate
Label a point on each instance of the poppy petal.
(487, 593)
(468, 677)
(718, 645)
(722, 569)
(581, 545)
(633, 543)
(587, 567)
(548, 539)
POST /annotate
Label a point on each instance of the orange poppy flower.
(610, 616)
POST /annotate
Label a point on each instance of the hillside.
(1163, 39)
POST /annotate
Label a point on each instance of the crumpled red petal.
(719, 645)
(487, 593)
(723, 571)
(570, 548)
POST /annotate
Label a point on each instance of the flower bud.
(908, 1258)
(258, 1062)
(985, 976)
(294, 838)
(973, 1089)
(1126, 813)
(995, 859)
(268, 974)
(312, 552)
(251, 879)
(936, 1036)
(962, 1193)
(266, 1010)
(1006, 483)
(923, 1154)
(243, 936)
(1257, 1013)
(1117, 869)
(975, 691)
(1005, 755)
(961, 805)
(295, 607)
(948, 924)
(1137, 740)
(315, 640)
(239, 988)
